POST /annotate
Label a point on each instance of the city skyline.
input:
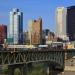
(32, 10)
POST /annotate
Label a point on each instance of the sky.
(33, 9)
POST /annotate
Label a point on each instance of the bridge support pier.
(47, 70)
(21, 67)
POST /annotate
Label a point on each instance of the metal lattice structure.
(27, 56)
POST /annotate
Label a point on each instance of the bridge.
(19, 58)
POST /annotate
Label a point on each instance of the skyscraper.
(15, 28)
(71, 22)
(35, 31)
(61, 13)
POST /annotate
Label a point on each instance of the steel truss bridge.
(19, 58)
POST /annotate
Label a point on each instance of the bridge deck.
(36, 50)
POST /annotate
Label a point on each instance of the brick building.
(3, 33)
(35, 31)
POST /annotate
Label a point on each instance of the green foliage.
(17, 72)
(5, 69)
(38, 69)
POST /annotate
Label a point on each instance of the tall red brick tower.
(3, 33)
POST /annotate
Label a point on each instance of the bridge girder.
(21, 57)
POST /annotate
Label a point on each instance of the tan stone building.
(35, 31)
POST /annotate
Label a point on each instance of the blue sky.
(33, 9)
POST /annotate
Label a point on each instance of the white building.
(61, 14)
(15, 28)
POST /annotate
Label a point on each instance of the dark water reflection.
(37, 69)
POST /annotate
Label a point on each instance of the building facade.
(26, 38)
(49, 36)
(71, 23)
(15, 28)
(3, 33)
(61, 31)
(35, 31)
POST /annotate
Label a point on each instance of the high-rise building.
(35, 31)
(3, 33)
(71, 23)
(15, 28)
(61, 14)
